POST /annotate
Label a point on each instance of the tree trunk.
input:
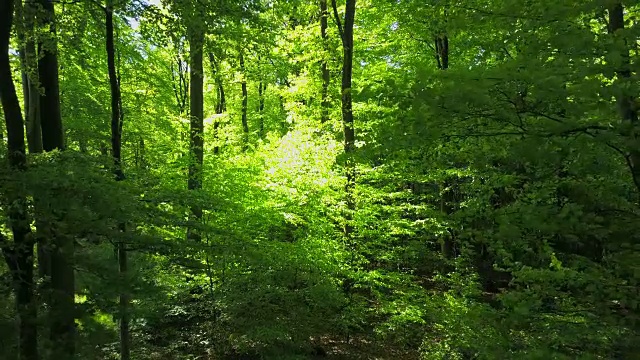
(245, 124)
(30, 90)
(123, 268)
(625, 101)
(50, 118)
(261, 89)
(196, 141)
(448, 195)
(180, 83)
(19, 255)
(116, 152)
(62, 314)
(346, 34)
(324, 14)
(442, 51)
(221, 105)
(116, 124)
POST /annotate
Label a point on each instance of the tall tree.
(261, 89)
(31, 93)
(196, 33)
(243, 85)
(326, 77)
(116, 152)
(116, 111)
(62, 313)
(221, 105)
(18, 254)
(50, 118)
(345, 29)
(626, 102)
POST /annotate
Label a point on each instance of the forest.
(319, 179)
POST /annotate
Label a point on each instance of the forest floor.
(362, 349)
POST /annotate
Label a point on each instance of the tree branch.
(336, 15)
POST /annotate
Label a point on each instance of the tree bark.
(221, 105)
(261, 88)
(448, 195)
(116, 152)
(245, 124)
(50, 118)
(180, 83)
(346, 34)
(116, 124)
(62, 313)
(625, 101)
(442, 51)
(196, 141)
(30, 90)
(19, 255)
(324, 14)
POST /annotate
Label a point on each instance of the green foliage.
(496, 213)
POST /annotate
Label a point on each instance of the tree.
(28, 59)
(196, 145)
(626, 102)
(61, 247)
(19, 254)
(326, 76)
(221, 105)
(346, 35)
(116, 153)
(243, 86)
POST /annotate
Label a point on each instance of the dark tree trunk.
(196, 141)
(261, 90)
(123, 267)
(324, 14)
(442, 51)
(626, 102)
(448, 195)
(221, 105)
(142, 159)
(180, 83)
(116, 152)
(116, 123)
(19, 255)
(50, 119)
(245, 124)
(221, 108)
(30, 90)
(62, 314)
(346, 34)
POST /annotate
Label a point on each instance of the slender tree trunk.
(442, 51)
(221, 105)
(116, 124)
(142, 154)
(261, 89)
(62, 314)
(196, 148)
(625, 101)
(123, 268)
(116, 152)
(50, 118)
(447, 247)
(346, 34)
(30, 90)
(245, 124)
(180, 82)
(19, 255)
(324, 14)
(34, 134)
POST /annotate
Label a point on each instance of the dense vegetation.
(273, 179)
